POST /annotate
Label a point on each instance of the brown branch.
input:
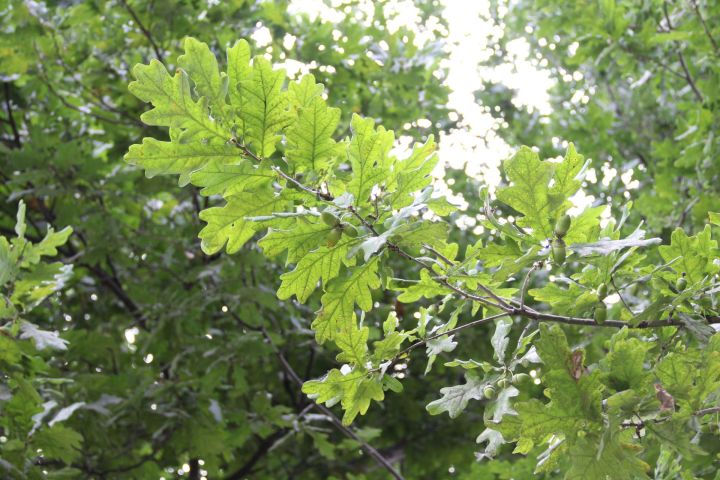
(521, 310)
(144, 31)
(612, 282)
(681, 58)
(641, 422)
(442, 257)
(292, 374)
(11, 119)
(369, 449)
(708, 33)
(69, 105)
(259, 453)
(706, 411)
(523, 288)
(423, 341)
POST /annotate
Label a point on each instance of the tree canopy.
(225, 252)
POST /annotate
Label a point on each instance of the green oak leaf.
(321, 264)
(368, 151)
(341, 294)
(174, 105)
(265, 108)
(413, 174)
(696, 253)
(226, 179)
(202, 67)
(529, 192)
(227, 224)
(454, 400)
(298, 239)
(173, 158)
(310, 142)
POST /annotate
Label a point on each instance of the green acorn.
(602, 291)
(349, 230)
(489, 392)
(581, 434)
(681, 283)
(503, 383)
(330, 219)
(558, 251)
(600, 313)
(333, 237)
(562, 226)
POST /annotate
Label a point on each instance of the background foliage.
(176, 359)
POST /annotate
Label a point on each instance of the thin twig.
(706, 411)
(11, 119)
(442, 257)
(144, 30)
(525, 283)
(423, 341)
(696, 7)
(612, 282)
(686, 210)
(681, 58)
(369, 449)
(501, 304)
(643, 421)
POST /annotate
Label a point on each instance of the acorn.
(349, 230)
(600, 313)
(558, 251)
(330, 219)
(562, 226)
(602, 291)
(333, 237)
(681, 283)
(489, 392)
(503, 383)
(520, 378)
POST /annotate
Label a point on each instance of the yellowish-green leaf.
(173, 158)
(265, 111)
(529, 191)
(321, 264)
(368, 151)
(202, 67)
(219, 178)
(310, 142)
(227, 224)
(174, 104)
(337, 313)
(413, 173)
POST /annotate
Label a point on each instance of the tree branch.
(708, 33)
(369, 449)
(423, 341)
(144, 31)
(11, 118)
(521, 310)
(681, 58)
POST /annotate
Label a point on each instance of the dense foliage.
(559, 339)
